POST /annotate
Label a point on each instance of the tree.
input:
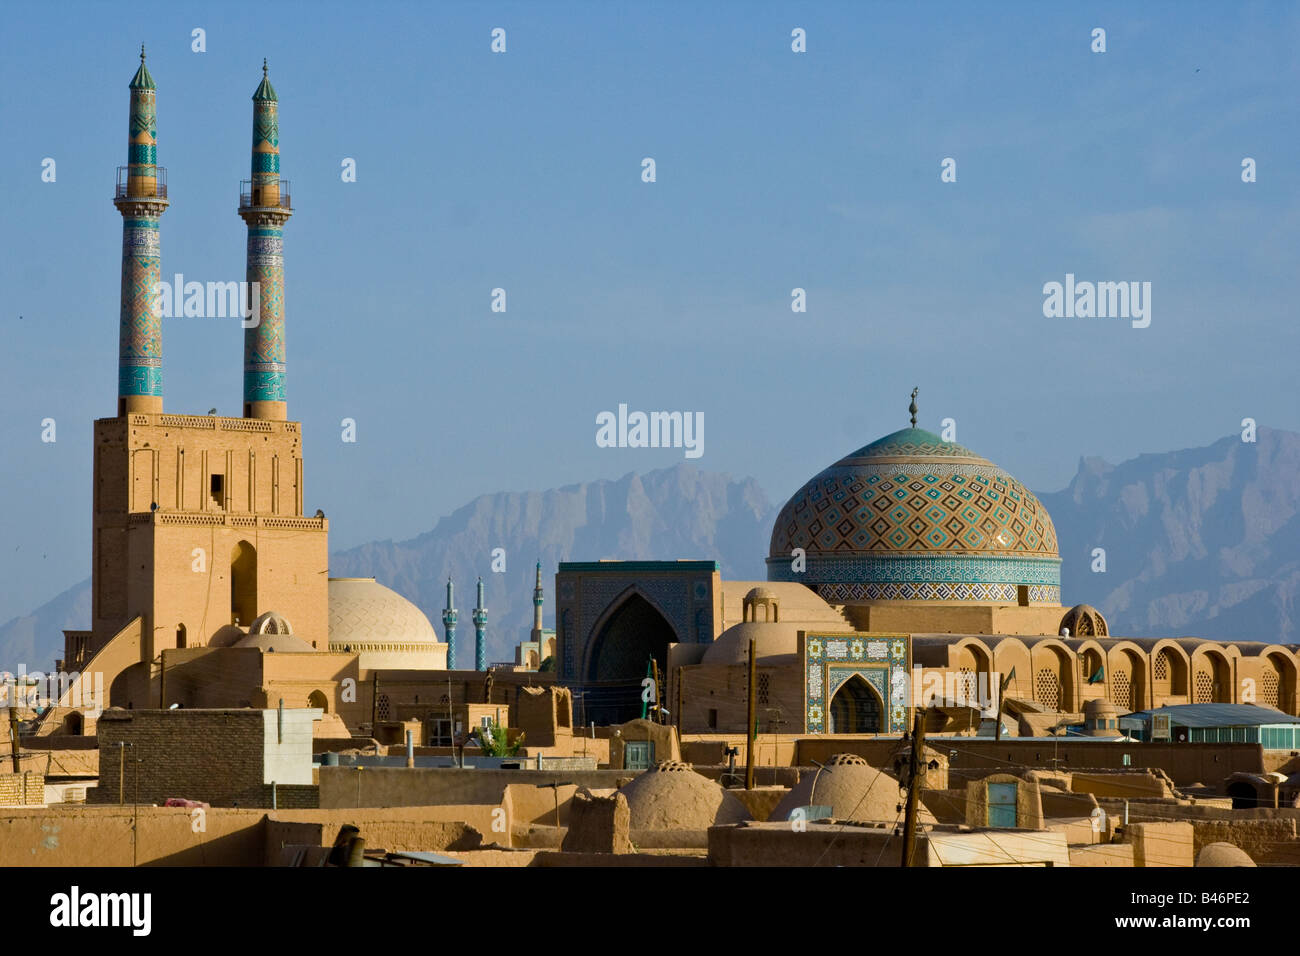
(492, 740)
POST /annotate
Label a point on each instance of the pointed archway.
(856, 708)
(632, 634)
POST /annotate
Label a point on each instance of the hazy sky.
(775, 170)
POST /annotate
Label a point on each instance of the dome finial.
(912, 407)
(141, 52)
(264, 66)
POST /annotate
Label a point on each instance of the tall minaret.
(141, 198)
(449, 617)
(538, 600)
(480, 632)
(265, 206)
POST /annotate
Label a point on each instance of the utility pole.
(914, 764)
(13, 727)
(162, 680)
(1002, 693)
(678, 713)
(659, 705)
(751, 721)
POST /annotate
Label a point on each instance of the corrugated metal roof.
(1217, 715)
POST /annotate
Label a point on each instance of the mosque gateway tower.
(198, 519)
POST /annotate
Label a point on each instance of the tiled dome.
(914, 517)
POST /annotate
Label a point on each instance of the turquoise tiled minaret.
(141, 198)
(264, 205)
(449, 618)
(480, 631)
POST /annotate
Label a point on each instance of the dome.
(673, 796)
(914, 517)
(386, 629)
(270, 631)
(1223, 854)
(732, 645)
(281, 643)
(1084, 620)
(270, 623)
(852, 788)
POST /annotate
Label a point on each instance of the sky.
(775, 170)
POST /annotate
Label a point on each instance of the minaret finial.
(264, 66)
(912, 407)
(141, 52)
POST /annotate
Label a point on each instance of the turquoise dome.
(913, 517)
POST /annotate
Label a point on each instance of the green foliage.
(492, 741)
(546, 666)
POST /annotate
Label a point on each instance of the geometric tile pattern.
(913, 495)
(264, 346)
(683, 599)
(139, 322)
(264, 352)
(830, 660)
(925, 591)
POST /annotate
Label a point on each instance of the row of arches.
(1061, 675)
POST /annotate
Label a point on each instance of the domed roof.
(1223, 854)
(281, 643)
(363, 612)
(852, 788)
(911, 516)
(732, 645)
(270, 622)
(673, 796)
(1084, 620)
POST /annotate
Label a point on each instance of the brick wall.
(22, 789)
(216, 756)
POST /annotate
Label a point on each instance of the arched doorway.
(318, 700)
(243, 583)
(633, 634)
(856, 708)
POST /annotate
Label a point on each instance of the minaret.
(449, 617)
(265, 206)
(141, 198)
(538, 600)
(480, 631)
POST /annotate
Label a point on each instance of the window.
(713, 718)
(217, 487)
(764, 685)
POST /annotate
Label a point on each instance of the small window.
(713, 718)
(1022, 595)
(217, 485)
(764, 686)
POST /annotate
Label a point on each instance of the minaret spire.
(538, 600)
(264, 205)
(449, 617)
(480, 631)
(141, 198)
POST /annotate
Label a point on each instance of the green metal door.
(1002, 805)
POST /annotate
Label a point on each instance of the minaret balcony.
(141, 182)
(268, 195)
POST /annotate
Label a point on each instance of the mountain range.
(1199, 542)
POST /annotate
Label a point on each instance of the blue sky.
(775, 170)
